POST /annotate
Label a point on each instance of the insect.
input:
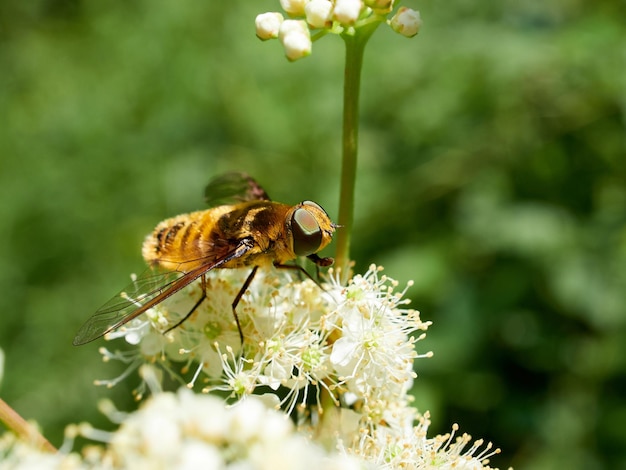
(242, 229)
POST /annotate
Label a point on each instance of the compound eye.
(307, 235)
(313, 204)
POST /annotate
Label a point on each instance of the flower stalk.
(355, 47)
(22, 428)
(355, 21)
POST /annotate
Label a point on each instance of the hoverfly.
(242, 229)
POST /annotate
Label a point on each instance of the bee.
(243, 228)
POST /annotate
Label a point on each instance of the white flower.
(374, 354)
(339, 17)
(171, 431)
(268, 24)
(17, 454)
(296, 39)
(294, 7)
(301, 340)
(393, 447)
(303, 344)
(406, 22)
(339, 359)
(347, 11)
(195, 455)
(186, 431)
(319, 13)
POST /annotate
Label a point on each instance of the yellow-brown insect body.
(188, 241)
(253, 231)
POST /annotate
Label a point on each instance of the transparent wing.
(151, 288)
(232, 188)
(128, 304)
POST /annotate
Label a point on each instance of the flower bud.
(347, 11)
(406, 22)
(294, 7)
(268, 25)
(296, 39)
(381, 6)
(318, 13)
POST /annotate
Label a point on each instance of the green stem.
(355, 46)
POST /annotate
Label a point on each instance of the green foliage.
(492, 172)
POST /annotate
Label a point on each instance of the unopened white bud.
(292, 27)
(296, 39)
(294, 7)
(318, 13)
(268, 25)
(406, 22)
(347, 11)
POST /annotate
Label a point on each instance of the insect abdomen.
(183, 242)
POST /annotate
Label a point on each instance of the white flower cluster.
(339, 359)
(330, 16)
(188, 431)
(299, 339)
(16, 454)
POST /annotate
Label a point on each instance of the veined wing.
(148, 290)
(232, 188)
(129, 303)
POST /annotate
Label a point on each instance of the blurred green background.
(492, 173)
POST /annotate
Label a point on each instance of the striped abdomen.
(187, 241)
(184, 242)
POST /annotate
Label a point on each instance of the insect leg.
(323, 262)
(243, 289)
(193, 309)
